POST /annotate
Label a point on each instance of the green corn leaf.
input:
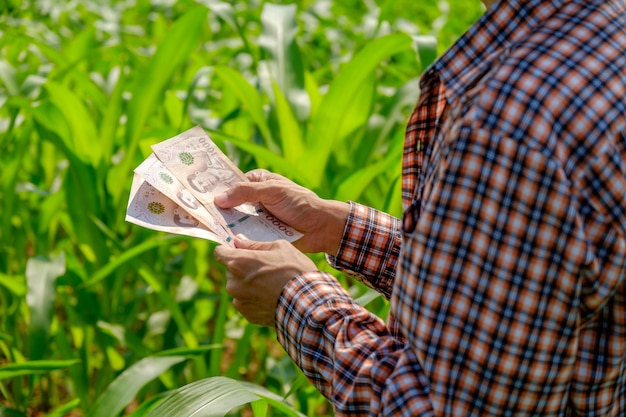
(283, 57)
(175, 49)
(275, 401)
(146, 406)
(290, 132)
(259, 408)
(216, 396)
(84, 194)
(219, 334)
(33, 367)
(8, 76)
(16, 284)
(41, 275)
(276, 162)
(152, 279)
(390, 132)
(78, 373)
(212, 397)
(226, 12)
(355, 117)
(393, 199)
(126, 386)
(250, 100)
(81, 45)
(64, 409)
(9, 412)
(185, 351)
(127, 256)
(82, 188)
(353, 186)
(11, 165)
(112, 112)
(83, 138)
(426, 48)
(327, 124)
(369, 296)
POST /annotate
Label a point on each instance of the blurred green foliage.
(91, 306)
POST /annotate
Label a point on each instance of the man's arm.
(370, 247)
(358, 240)
(350, 355)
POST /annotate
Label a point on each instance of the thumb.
(242, 242)
(239, 193)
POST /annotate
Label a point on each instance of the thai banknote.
(156, 174)
(205, 171)
(150, 208)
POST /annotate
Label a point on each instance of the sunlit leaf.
(328, 121)
(183, 327)
(290, 132)
(8, 76)
(33, 367)
(278, 164)
(352, 187)
(278, 42)
(426, 48)
(212, 397)
(83, 137)
(275, 401)
(64, 409)
(259, 408)
(146, 406)
(41, 275)
(175, 49)
(226, 12)
(126, 386)
(128, 255)
(250, 100)
(16, 284)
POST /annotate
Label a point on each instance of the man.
(506, 273)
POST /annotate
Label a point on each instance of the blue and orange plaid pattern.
(506, 274)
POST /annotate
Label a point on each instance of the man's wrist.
(335, 225)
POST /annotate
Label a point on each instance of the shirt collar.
(488, 39)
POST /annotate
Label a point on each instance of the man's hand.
(321, 221)
(258, 271)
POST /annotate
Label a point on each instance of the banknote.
(157, 175)
(205, 171)
(150, 208)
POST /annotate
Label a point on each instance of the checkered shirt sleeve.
(370, 248)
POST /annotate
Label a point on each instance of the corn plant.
(101, 318)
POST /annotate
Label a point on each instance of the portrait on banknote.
(210, 175)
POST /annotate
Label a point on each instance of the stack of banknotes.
(174, 188)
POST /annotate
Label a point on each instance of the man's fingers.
(242, 192)
(260, 175)
(242, 242)
(222, 254)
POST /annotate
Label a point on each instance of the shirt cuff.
(300, 298)
(370, 248)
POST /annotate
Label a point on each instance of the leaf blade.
(327, 123)
(211, 397)
(126, 386)
(41, 275)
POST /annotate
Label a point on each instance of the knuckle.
(231, 287)
(257, 175)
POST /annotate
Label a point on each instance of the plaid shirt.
(506, 274)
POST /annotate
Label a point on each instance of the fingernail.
(243, 237)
